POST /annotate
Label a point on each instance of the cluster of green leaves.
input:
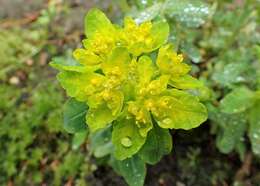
(188, 13)
(229, 47)
(131, 86)
(234, 77)
(223, 50)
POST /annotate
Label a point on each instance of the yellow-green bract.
(122, 84)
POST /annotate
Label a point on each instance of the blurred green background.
(220, 39)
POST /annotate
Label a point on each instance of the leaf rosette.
(117, 76)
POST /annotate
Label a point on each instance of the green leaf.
(100, 142)
(229, 74)
(170, 62)
(148, 14)
(192, 52)
(237, 101)
(103, 113)
(145, 66)
(79, 138)
(75, 83)
(132, 169)
(257, 95)
(203, 93)
(185, 82)
(158, 144)
(74, 116)
(86, 57)
(100, 117)
(120, 59)
(96, 21)
(254, 128)
(160, 83)
(160, 32)
(241, 148)
(142, 4)
(126, 138)
(67, 64)
(191, 13)
(184, 112)
(233, 127)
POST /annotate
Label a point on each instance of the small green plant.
(241, 105)
(128, 87)
(233, 75)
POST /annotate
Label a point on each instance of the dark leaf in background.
(78, 139)
(233, 130)
(192, 52)
(254, 128)
(74, 116)
(158, 144)
(132, 169)
(238, 100)
(100, 142)
(68, 64)
(229, 74)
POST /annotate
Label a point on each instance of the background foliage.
(220, 39)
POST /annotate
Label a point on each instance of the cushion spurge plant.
(133, 83)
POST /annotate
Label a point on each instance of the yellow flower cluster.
(130, 77)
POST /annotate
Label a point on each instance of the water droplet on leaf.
(167, 121)
(126, 141)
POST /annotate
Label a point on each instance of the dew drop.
(255, 136)
(167, 121)
(126, 142)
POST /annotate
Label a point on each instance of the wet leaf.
(158, 144)
(237, 101)
(148, 14)
(100, 142)
(191, 13)
(192, 52)
(132, 169)
(61, 63)
(96, 21)
(254, 128)
(233, 129)
(184, 112)
(74, 116)
(230, 73)
(79, 138)
(126, 138)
